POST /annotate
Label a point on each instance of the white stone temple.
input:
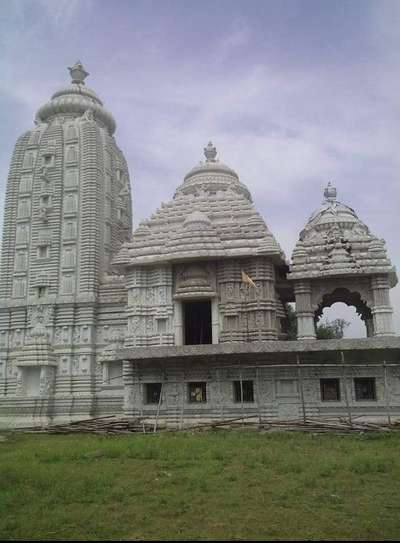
(185, 318)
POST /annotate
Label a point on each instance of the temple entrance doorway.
(197, 322)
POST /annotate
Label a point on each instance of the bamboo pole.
(182, 402)
(159, 401)
(387, 392)
(258, 394)
(346, 395)
(220, 393)
(303, 405)
(241, 391)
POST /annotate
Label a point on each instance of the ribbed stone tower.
(67, 210)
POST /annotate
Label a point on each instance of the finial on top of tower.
(330, 193)
(78, 73)
(210, 152)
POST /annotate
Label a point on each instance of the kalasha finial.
(210, 152)
(330, 193)
(78, 73)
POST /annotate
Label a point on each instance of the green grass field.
(221, 485)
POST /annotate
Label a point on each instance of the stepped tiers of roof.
(196, 247)
(336, 242)
(210, 217)
(202, 282)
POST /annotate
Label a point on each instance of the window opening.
(153, 392)
(197, 392)
(330, 390)
(243, 391)
(365, 388)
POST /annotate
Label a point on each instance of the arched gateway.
(337, 259)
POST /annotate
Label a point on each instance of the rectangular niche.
(24, 208)
(115, 374)
(19, 287)
(287, 387)
(22, 233)
(70, 203)
(69, 257)
(31, 380)
(68, 284)
(25, 184)
(70, 229)
(71, 178)
(21, 260)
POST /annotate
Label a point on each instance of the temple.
(185, 318)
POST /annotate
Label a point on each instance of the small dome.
(211, 164)
(211, 176)
(332, 212)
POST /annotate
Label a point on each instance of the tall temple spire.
(78, 73)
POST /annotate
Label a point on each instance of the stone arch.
(350, 298)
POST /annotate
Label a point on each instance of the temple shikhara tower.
(67, 211)
(185, 318)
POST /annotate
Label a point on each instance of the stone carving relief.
(110, 334)
(40, 313)
(195, 279)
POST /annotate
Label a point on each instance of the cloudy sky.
(293, 93)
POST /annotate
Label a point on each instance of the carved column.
(128, 376)
(305, 313)
(382, 310)
(215, 320)
(178, 322)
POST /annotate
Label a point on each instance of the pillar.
(304, 311)
(215, 320)
(382, 310)
(178, 322)
(128, 376)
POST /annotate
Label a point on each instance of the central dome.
(212, 176)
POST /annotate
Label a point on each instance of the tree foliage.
(324, 330)
(331, 329)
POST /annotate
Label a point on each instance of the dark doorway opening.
(197, 316)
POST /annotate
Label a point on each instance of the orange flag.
(248, 280)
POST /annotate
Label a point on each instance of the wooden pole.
(159, 402)
(241, 390)
(387, 392)
(182, 400)
(220, 393)
(346, 395)
(258, 394)
(303, 405)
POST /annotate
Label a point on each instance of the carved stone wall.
(247, 313)
(150, 306)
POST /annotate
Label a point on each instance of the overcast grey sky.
(293, 93)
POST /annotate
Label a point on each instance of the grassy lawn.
(222, 485)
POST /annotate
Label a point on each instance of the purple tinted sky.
(292, 92)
